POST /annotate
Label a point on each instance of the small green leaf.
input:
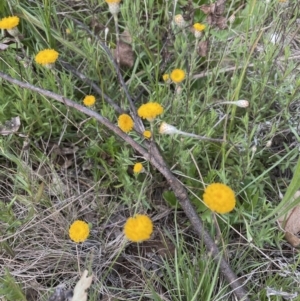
(170, 198)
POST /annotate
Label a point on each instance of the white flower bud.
(168, 129)
(242, 103)
(231, 19)
(179, 21)
(269, 143)
(114, 8)
(106, 31)
(239, 103)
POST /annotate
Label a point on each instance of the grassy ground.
(62, 165)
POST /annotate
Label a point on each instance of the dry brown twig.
(156, 159)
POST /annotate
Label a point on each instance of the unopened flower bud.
(113, 6)
(284, 3)
(167, 129)
(231, 19)
(242, 103)
(166, 78)
(269, 143)
(239, 103)
(179, 21)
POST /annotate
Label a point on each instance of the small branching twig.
(156, 159)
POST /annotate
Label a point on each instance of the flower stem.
(200, 137)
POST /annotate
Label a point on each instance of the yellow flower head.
(199, 27)
(125, 123)
(46, 57)
(147, 134)
(219, 197)
(166, 77)
(138, 228)
(79, 231)
(137, 168)
(150, 110)
(9, 22)
(177, 76)
(89, 100)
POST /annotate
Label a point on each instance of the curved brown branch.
(158, 162)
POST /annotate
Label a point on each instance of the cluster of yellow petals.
(138, 168)
(199, 27)
(177, 76)
(150, 110)
(125, 123)
(138, 228)
(219, 198)
(46, 57)
(89, 100)
(166, 77)
(147, 134)
(79, 231)
(9, 22)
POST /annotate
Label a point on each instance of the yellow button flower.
(89, 100)
(147, 134)
(9, 22)
(177, 76)
(46, 57)
(125, 123)
(150, 110)
(79, 231)
(137, 168)
(166, 77)
(219, 198)
(138, 228)
(198, 28)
